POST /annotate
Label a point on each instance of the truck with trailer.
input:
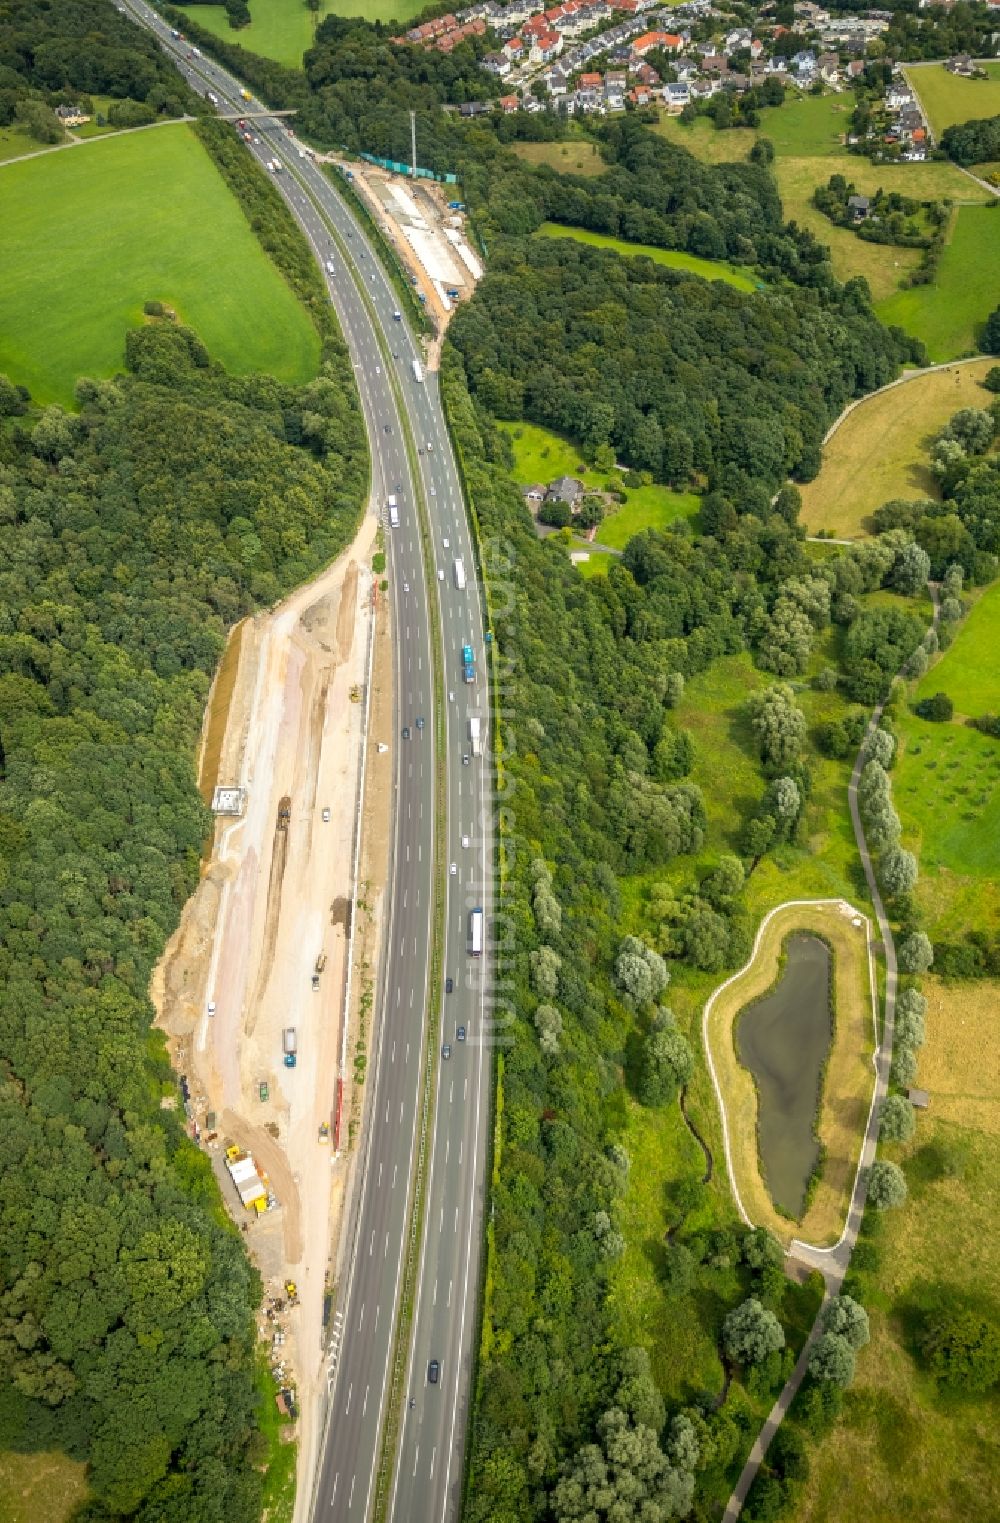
(476, 734)
(289, 1046)
(476, 933)
(468, 664)
(459, 573)
(393, 507)
(418, 371)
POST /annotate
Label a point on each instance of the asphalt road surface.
(427, 1480)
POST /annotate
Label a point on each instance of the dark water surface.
(783, 1040)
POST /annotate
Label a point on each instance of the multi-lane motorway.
(426, 1482)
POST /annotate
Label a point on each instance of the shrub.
(939, 707)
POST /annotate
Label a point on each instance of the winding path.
(832, 1262)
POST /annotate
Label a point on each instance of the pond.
(784, 1040)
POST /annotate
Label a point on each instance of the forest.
(975, 142)
(53, 55)
(133, 533)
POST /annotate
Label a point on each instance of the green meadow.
(675, 259)
(91, 233)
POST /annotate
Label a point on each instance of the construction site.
(264, 991)
(427, 228)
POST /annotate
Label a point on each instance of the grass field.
(947, 98)
(814, 126)
(708, 269)
(540, 455)
(578, 156)
(847, 1084)
(882, 265)
(948, 314)
(701, 138)
(122, 221)
(902, 1449)
(880, 450)
(947, 782)
(284, 29)
(39, 1486)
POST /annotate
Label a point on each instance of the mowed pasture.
(577, 156)
(948, 98)
(880, 449)
(285, 29)
(882, 265)
(674, 259)
(902, 1448)
(91, 233)
(947, 781)
(847, 1083)
(948, 314)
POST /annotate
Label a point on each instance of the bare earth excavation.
(251, 990)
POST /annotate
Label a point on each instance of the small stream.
(784, 1040)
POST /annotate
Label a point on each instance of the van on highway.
(329, 266)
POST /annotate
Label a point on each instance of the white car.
(429, 446)
(326, 816)
(406, 586)
(378, 369)
(453, 869)
(440, 575)
(465, 840)
(211, 1007)
(446, 543)
(433, 491)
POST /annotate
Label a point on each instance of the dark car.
(446, 1050)
(433, 1372)
(460, 1033)
(420, 724)
(406, 732)
(449, 986)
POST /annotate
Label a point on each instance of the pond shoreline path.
(832, 1263)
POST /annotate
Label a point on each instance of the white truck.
(393, 507)
(476, 734)
(459, 574)
(418, 371)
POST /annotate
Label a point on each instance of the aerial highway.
(425, 1484)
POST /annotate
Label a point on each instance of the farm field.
(948, 314)
(284, 29)
(578, 156)
(880, 450)
(902, 1448)
(675, 259)
(177, 233)
(947, 98)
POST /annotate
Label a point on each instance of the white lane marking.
(362, 1317)
(450, 1284)
(364, 1407)
(350, 1388)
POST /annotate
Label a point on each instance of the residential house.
(715, 63)
(515, 50)
(498, 64)
(534, 496)
(961, 64)
(804, 62)
(72, 116)
(676, 97)
(590, 81)
(855, 68)
(740, 37)
(508, 104)
(756, 48)
(829, 68)
(546, 47)
(858, 208)
(568, 489)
